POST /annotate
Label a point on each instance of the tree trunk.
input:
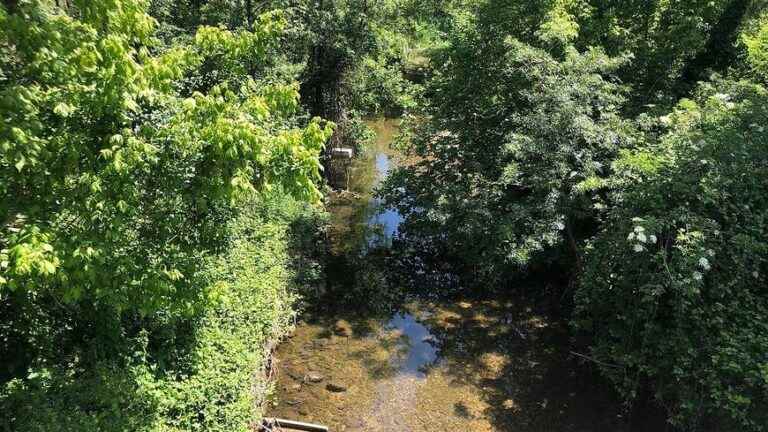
(573, 245)
(719, 52)
(249, 14)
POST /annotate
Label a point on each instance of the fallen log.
(272, 423)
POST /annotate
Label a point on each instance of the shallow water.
(375, 359)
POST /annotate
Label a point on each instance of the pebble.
(313, 377)
(336, 387)
(342, 328)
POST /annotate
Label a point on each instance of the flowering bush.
(675, 284)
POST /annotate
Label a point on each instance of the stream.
(375, 358)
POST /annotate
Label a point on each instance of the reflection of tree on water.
(361, 230)
(368, 259)
(518, 354)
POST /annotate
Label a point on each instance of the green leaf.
(64, 109)
(20, 163)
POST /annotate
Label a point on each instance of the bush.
(253, 292)
(532, 154)
(205, 372)
(142, 272)
(675, 284)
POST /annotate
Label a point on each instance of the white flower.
(654, 239)
(642, 238)
(698, 276)
(638, 248)
(639, 229)
(711, 253)
(704, 263)
(755, 274)
(723, 97)
(631, 236)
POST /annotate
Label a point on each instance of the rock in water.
(336, 387)
(313, 377)
(342, 328)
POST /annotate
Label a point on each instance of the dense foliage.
(545, 132)
(105, 165)
(675, 285)
(350, 55)
(133, 262)
(160, 165)
(206, 372)
(596, 141)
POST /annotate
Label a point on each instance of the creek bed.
(429, 364)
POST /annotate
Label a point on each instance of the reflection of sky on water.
(382, 165)
(421, 352)
(383, 221)
(398, 395)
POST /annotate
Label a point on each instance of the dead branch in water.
(269, 424)
(594, 360)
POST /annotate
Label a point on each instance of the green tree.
(129, 175)
(543, 145)
(674, 290)
(108, 175)
(757, 47)
(519, 137)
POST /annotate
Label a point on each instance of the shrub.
(205, 372)
(675, 285)
(139, 281)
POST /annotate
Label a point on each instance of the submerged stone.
(319, 343)
(336, 387)
(313, 377)
(343, 328)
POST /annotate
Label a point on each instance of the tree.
(544, 145)
(517, 136)
(133, 181)
(112, 183)
(674, 290)
(757, 48)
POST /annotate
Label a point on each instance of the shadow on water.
(378, 357)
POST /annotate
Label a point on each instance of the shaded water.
(374, 358)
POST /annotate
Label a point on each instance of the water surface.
(372, 357)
